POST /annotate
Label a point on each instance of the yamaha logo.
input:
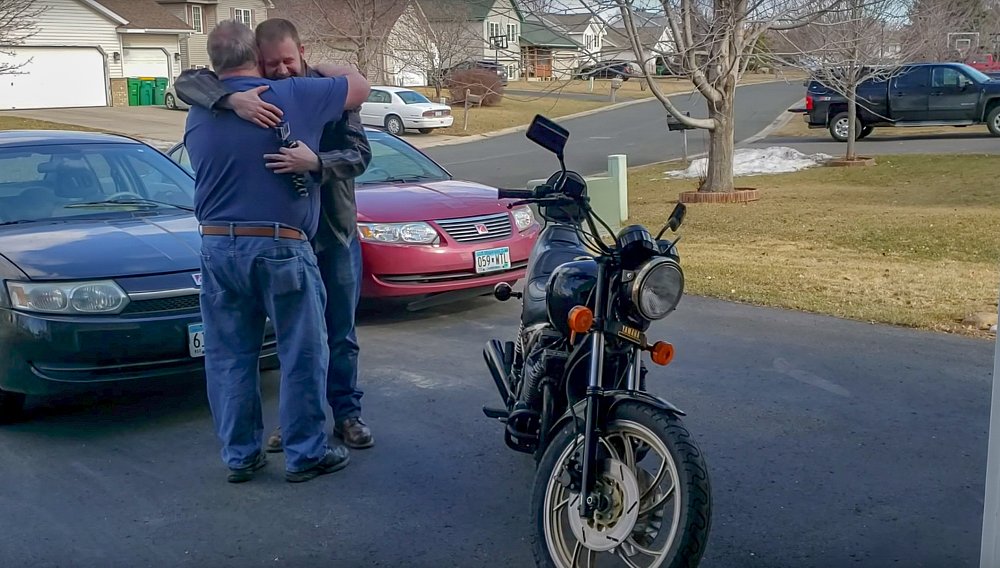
(482, 229)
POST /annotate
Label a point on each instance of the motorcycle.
(618, 476)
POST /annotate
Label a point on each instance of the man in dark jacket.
(344, 153)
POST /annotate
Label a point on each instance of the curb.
(591, 112)
(783, 119)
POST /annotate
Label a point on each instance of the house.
(203, 15)
(547, 53)
(496, 25)
(410, 49)
(587, 30)
(82, 51)
(654, 36)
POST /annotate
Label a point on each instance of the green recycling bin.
(133, 91)
(161, 90)
(147, 86)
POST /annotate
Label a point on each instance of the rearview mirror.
(548, 135)
(677, 217)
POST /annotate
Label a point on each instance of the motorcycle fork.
(595, 395)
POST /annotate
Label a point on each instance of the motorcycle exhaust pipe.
(493, 353)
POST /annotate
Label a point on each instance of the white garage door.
(145, 62)
(54, 77)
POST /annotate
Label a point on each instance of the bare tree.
(17, 24)
(712, 43)
(926, 29)
(864, 43)
(433, 47)
(356, 30)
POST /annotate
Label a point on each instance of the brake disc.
(611, 526)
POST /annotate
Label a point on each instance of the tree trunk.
(721, 147)
(852, 122)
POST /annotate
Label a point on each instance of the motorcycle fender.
(616, 397)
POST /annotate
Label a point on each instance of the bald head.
(232, 47)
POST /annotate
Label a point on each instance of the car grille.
(470, 229)
(159, 305)
(445, 277)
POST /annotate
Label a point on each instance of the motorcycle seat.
(557, 245)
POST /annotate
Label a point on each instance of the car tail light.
(810, 104)
(433, 113)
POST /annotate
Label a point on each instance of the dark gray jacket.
(344, 154)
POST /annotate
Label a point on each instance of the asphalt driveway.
(830, 443)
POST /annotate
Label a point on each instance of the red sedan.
(427, 237)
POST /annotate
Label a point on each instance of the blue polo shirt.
(227, 154)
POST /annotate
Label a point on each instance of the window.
(911, 78)
(196, 20)
(494, 28)
(512, 71)
(511, 33)
(243, 16)
(379, 97)
(394, 159)
(949, 77)
(411, 97)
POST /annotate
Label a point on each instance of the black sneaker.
(244, 474)
(335, 459)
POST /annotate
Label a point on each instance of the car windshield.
(411, 97)
(396, 161)
(976, 74)
(59, 181)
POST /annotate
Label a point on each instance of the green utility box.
(160, 91)
(147, 88)
(133, 91)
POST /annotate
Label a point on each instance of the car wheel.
(993, 121)
(426, 130)
(866, 132)
(11, 407)
(394, 125)
(170, 102)
(840, 128)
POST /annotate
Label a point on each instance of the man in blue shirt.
(257, 261)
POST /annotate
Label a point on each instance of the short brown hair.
(277, 29)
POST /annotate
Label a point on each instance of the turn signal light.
(580, 319)
(662, 353)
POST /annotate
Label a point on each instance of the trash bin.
(133, 91)
(147, 87)
(160, 92)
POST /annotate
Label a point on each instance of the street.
(829, 442)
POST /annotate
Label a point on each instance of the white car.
(172, 101)
(397, 109)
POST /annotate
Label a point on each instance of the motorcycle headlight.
(523, 217)
(657, 288)
(100, 297)
(398, 233)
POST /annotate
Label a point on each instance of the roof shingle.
(145, 14)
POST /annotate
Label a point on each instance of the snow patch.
(752, 162)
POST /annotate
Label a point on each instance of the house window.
(512, 72)
(196, 20)
(494, 28)
(511, 33)
(243, 16)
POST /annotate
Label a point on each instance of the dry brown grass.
(19, 123)
(912, 241)
(797, 128)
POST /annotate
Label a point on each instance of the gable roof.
(648, 37)
(570, 23)
(478, 10)
(541, 35)
(142, 15)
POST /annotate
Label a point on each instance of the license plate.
(492, 260)
(196, 339)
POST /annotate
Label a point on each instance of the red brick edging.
(741, 195)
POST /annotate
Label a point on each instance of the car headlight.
(399, 233)
(523, 217)
(657, 288)
(100, 297)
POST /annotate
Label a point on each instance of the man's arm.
(344, 149)
(358, 87)
(201, 87)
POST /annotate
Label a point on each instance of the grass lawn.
(797, 128)
(913, 241)
(18, 123)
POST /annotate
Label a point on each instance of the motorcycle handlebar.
(515, 193)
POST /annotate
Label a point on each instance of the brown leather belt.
(240, 231)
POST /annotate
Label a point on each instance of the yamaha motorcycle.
(620, 480)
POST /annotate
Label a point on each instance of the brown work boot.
(274, 444)
(355, 433)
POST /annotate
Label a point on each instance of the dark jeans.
(340, 267)
(244, 281)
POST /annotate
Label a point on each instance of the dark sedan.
(99, 265)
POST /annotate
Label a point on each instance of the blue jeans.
(340, 266)
(244, 281)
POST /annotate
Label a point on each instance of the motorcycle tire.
(687, 546)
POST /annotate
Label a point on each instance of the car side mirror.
(548, 135)
(677, 217)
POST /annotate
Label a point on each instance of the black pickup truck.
(925, 94)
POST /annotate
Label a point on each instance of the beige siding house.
(203, 15)
(486, 19)
(82, 51)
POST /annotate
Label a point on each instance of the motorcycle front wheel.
(653, 489)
